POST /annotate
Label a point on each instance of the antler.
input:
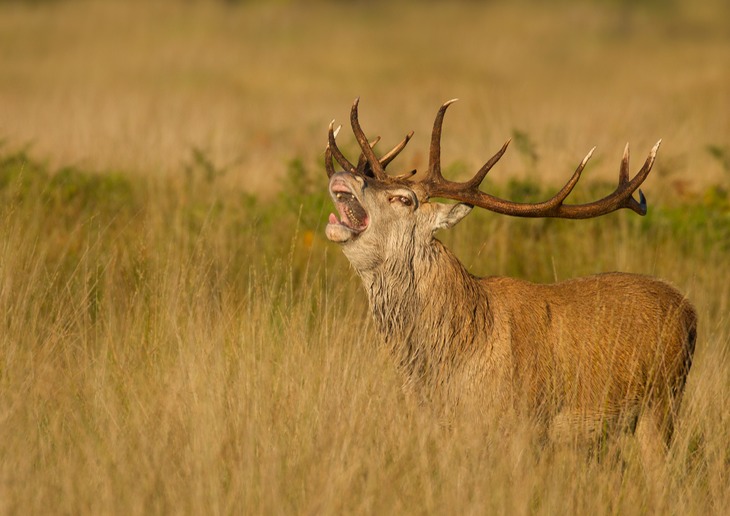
(435, 185)
(368, 164)
(468, 192)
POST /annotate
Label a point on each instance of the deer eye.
(402, 199)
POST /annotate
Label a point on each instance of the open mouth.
(353, 218)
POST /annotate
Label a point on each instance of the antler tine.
(375, 166)
(629, 187)
(623, 173)
(406, 175)
(558, 198)
(333, 151)
(362, 160)
(475, 181)
(434, 155)
(328, 153)
(391, 155)
(328, 162)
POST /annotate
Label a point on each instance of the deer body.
(599, 348)
(581, 354)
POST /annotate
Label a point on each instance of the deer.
(611, 350)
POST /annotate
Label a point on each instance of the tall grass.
(177, 346)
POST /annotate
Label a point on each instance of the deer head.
(382, 214)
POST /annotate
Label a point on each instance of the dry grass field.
(177, 336)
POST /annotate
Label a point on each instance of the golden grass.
(172, 346)
(157, 361)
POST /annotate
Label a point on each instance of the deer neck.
(428, 309)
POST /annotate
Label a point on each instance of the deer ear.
(448, 215)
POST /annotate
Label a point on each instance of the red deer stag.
(608, 349)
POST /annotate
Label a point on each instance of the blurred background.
(178, 336)
(139, 85)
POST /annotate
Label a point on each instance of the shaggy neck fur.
(418, 306)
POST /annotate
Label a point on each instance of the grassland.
(177, 335)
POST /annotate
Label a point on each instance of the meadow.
(179, 337)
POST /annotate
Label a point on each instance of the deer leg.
(651, 436)
(581, 426)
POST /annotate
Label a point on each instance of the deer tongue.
(354, 220)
